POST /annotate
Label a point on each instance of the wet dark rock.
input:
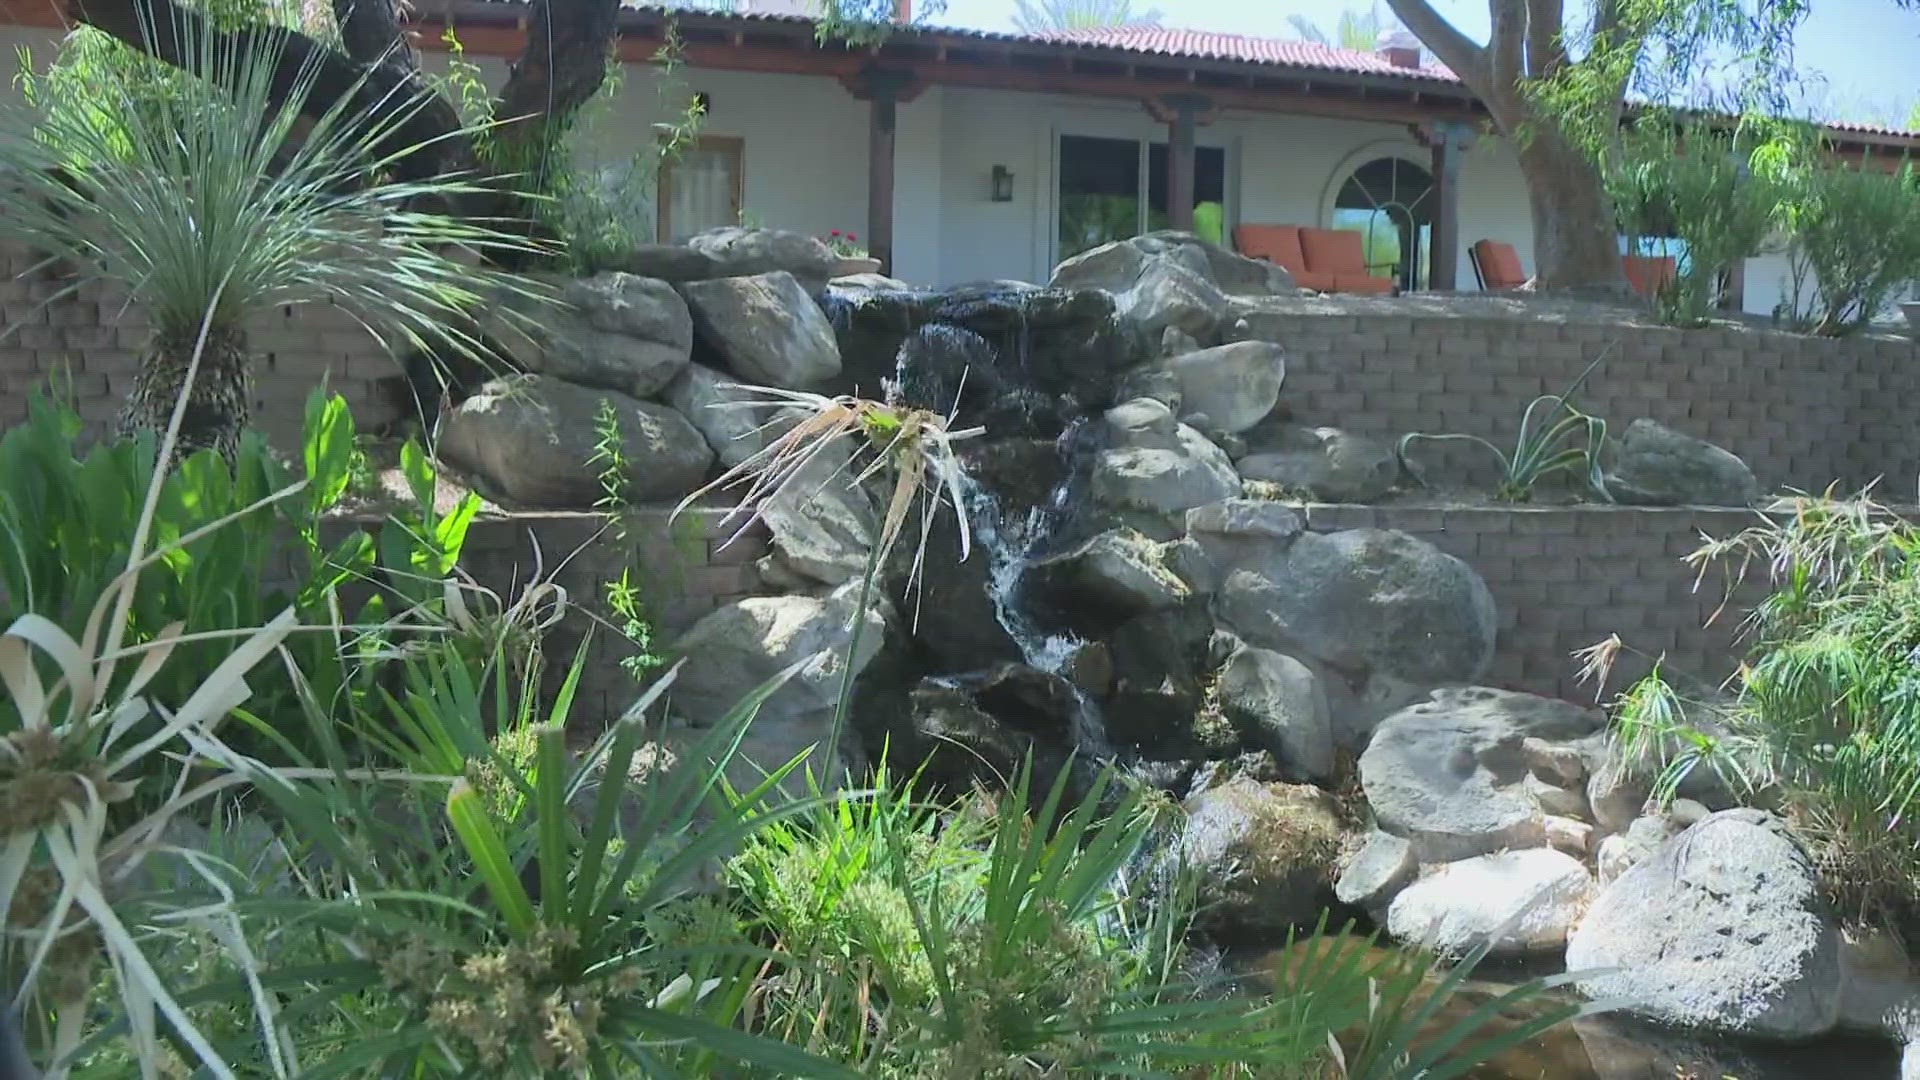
(1036, 702)
(948, 609)
(1106, 580)
(1159, 663)
(1057, 351)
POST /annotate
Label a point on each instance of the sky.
(1861, 58)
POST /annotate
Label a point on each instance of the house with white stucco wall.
(960, 155)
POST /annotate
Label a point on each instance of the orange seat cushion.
(1338, 250)
(1499, 265)
(1648, 274)
(1349, 282)
(1317, 280)
(1278, 244)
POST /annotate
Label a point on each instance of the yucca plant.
(1562, 439)
(846, 440)
(234, 193)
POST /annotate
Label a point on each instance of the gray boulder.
(1450, 774)
(1115, 266)
(1159, 286)
(1324, 463)
(741, 252)
(1523, 902)
(1237, 533)
(1263, 855)
(1393, 614)
(1653, 465)
(1723, 928)
(531, 439)
(703, 396)
(822, 524)
(612, 331)
(1278, 705)
(1624, 851)
(1171, 295)
(1383, 866)
(1234, 386)
(743, 645)
(1158, 466)
(765, 328)
(668, 262)
(1112, 577)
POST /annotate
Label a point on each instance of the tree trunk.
(1575, 245)
(569, 44)
(216, 406)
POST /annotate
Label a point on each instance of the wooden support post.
(1447, 142)
(1182, 113)
(883, 90)
(883, 112)
(1733, 288)
(1180, 155)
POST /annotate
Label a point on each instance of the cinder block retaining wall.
(683, 570)
(90, 341)
(1802, 411)
(1564, 578)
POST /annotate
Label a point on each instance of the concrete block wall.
(683, 569)
(1803, 412)
(88, 343)
(1563, 578)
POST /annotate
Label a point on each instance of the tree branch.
(1455, 49)
(1546, 42)
(1506, 45)
(561, 67)
(370, 32)
(382, 93)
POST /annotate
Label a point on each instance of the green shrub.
(1855, 230)
(599, 213)
(1695, 185)
(1825, 712)
(68, 520)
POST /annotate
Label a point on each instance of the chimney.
(1398, 47)
(903, 11)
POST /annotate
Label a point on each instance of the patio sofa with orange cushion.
(1329, 260)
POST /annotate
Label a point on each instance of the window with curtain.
(702, 188)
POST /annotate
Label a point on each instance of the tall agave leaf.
(235, 194)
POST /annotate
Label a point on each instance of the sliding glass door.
(1111, 189)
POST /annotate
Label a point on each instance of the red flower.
(850, 236)
(835, 232)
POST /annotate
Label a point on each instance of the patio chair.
(1496, 266)
(1648, 274)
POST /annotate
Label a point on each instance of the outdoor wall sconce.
(1002, 184)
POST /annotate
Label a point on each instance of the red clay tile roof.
(1187, 44)
(1208, 45)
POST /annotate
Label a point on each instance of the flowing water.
(1010, 547)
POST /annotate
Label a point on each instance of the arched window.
(1389, 201)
